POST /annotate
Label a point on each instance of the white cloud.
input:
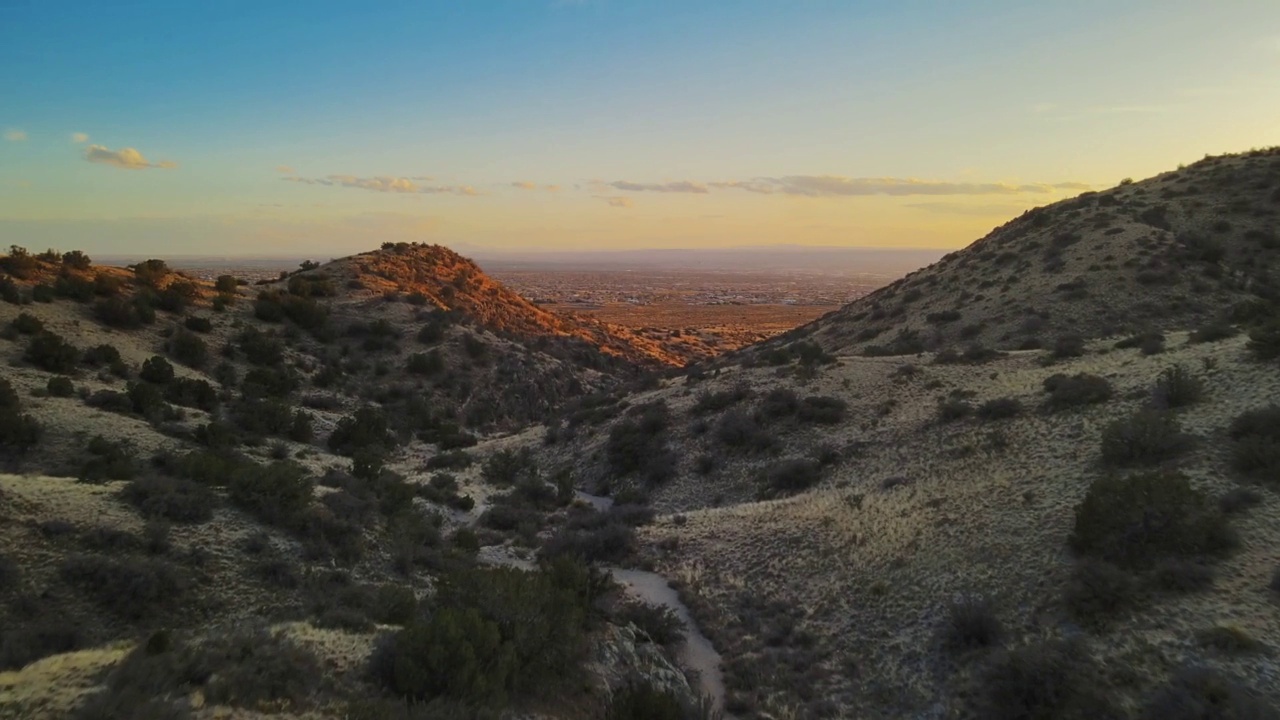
(384, 183)
(79, 137)
(127, 158)
(284, 169)
(618, 201)
(526, 185)
(840, 186)
(15, 135)
(678, 186)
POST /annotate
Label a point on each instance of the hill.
(1187, 248)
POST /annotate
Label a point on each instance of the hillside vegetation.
(1037, 479)
(1191, 248)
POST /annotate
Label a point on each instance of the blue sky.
(288, 126)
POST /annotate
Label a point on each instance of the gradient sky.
(320, 127)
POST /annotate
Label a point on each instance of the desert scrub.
(1097, 591)
(18, 432)
(1000, 409)
(1147, 437)
(367, 427)
(1177, 387)
(1256, 436)
(646, 702)
(1049, 680)
(1072, 391)
(26, 324)
(1197, 693)
(48, 351)
(713, 402)
(1136, 520)
(659, 622)
(1264, 341)
(821, 410)
(108, 461)
(132, 588)
(177, 499)
(971, 624)
(787, 477)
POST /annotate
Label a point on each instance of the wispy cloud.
(679, 186)
(15, 135)
(127, 158)
(980, 210)
(79, 137)
(284, 169)
(840, 186)
(618, 201)
(385, 183)
(526, 185)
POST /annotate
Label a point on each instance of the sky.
(287, 127)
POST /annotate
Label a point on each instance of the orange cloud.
(384, 183)
(127, 158)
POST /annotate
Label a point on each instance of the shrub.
(108, 461)
(1203, 694)
(124, 314)
(177, 499)
(1068, 346)
(43, 293)
(1071, 391)
(1098, 590)
(1212, 333)
(951, 409)
(60, 386)
(1050, 680)
(394, 605)
(1177, 388)
(133, 588)
(428, 363)
(1134, 521)
(24, 643)
(744, 432)
(260, 348)
(713, 402)
(18, 432)
(101, 356)
(269, 382)
(367, 427)
(1000, 409)
(151, 272)
(638, 444)
(452, 460)
(226, 284)
(1150, 343)
(822, 410)
(50, 352)
(1256, 450)
(274, 493)
(301, 428)
(659, 622)
(76, 260)
(1176, 575)
(1238, 500)
(26, 324)
(778, 403)
(187, 348)
(971, 624)
(247, 666)
(1147, 437)
(156, 370)
(189, 392)
(789, 476)
(1264, 341)
(507, 467)
(647, 702)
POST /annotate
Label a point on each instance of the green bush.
(226, 284)
(497, 633)
(713, 402)
(246, 666)
(659, 622)
(646, 702)
(1000, 409)
(1097, 591)
(741, 431)
(1136, 520)
(1050, 680)
(101, 356)
(156, 370)
(187, 348)
(1068, 346)
(189, 392)
(1264, 341)
(50, 352)
(1148, 437)
(1177, 388)
(1072, 391)
(124, 314)
(133, 588)
(639, 444)
(1198, 693)
(1256, 436)
(951, 409)
(18, 432)
(366, 428)
(787, 477)
(821, 410)
(1213, 332)
(177, 499)
(971, 624)
(274, 493)
(76, 260)
(60, 386)
(108, 461)
(428, 363)
(26, 324)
